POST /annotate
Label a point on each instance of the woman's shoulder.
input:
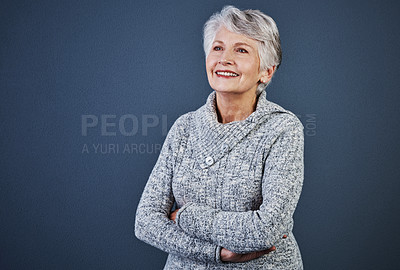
(182, 124)
(185, 119)
(281, 118)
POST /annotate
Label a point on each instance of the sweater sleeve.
(243, 232)
(152, 224)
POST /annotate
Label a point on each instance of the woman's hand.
(172, 216)
(229, 256)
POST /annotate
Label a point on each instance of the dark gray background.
(61, 60)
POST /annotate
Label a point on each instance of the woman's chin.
(226, 89)
(229, 91)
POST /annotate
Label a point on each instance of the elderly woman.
(233, 169)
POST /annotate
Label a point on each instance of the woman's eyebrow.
(236, 44)
(217, 41)
(243, 44)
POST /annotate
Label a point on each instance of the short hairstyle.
(253, 24)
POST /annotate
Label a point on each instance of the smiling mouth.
(226, 74)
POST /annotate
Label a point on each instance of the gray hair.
(253, 24)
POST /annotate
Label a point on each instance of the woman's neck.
(235, 107)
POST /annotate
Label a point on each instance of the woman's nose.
(225, 62)
(226, 59)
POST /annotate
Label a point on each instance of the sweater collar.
(214, 140)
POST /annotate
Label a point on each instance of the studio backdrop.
(89, 90)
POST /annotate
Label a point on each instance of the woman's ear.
(267, 74)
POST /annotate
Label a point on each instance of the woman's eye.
(217, 48)
(242, 50)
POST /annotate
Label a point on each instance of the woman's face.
(233, 63)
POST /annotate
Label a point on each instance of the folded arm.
(257, 230)
(152, 224)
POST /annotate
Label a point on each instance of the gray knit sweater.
(236, 184)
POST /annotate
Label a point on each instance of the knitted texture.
(236, 184)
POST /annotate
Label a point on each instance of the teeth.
(227, 74)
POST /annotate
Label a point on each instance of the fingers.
(230, 256)
(263, 252)
(172, 216)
